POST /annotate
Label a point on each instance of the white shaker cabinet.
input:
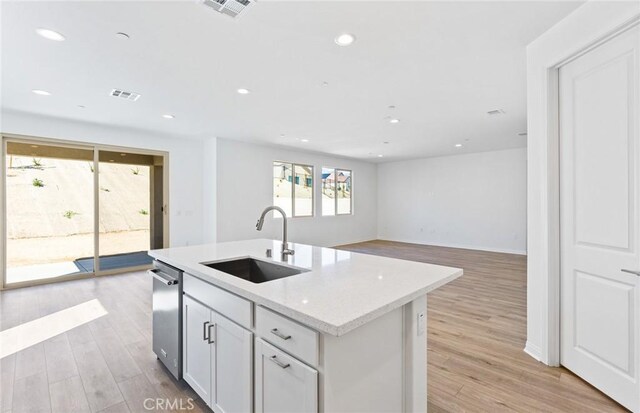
(283, 384)
(196, 350)
(233, 370)
(217, 358)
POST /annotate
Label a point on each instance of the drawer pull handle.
(631, 272)
(279, 334)
(278, 362)
(211, 339)
(204, 331)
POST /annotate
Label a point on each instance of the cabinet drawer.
(228, 304)
(283, 384)
(287, 334)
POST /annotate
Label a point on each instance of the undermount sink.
(253, 270)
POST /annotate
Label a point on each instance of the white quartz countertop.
(341, 291)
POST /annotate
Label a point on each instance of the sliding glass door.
(74, 210)
(49, 210)
(126, 186)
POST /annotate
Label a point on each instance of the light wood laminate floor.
(105, 365)
(476, 334)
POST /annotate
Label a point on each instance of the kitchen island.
(346, 332)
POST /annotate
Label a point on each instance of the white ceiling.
(442, 64)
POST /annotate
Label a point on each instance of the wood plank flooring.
(476, 335)
(106, 365)
(476, 330)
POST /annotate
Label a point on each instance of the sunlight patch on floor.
(36, 331)
(41, 271)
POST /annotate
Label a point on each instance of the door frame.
(544, 58)
(96, 147)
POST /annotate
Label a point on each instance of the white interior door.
(599, 155)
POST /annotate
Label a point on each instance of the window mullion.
(335, 191)
(293, 190)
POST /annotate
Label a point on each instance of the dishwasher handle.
(161, 276)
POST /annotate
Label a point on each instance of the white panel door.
(283, 384)
(232, 379)
(196, 349)
(600, 230)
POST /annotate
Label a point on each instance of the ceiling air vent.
(125, 95)
(229, 7)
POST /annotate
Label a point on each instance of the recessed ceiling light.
(458, 145)
(393, 120)
(50, 34)
(345, 39)
(304, 140)
(168, 116)
(122, 36)
(380, 156)
(41, 92)
(244, 91)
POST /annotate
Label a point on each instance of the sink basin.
(253, 270)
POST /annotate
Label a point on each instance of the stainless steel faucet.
(285, 245)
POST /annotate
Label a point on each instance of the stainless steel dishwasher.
(167, 316)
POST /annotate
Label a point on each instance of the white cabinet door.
(232, 367)
(283, 384)
(600, 212)
(196, 353)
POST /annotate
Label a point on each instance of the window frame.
(335, 186)
(293, 187)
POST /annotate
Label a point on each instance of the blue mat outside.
(113, 262)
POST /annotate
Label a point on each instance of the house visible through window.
(336, 191)
(293, 188)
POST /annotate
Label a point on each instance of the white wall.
(185, 163)
(244, 189)
(209, 190)
(475, 201)
(584, 27)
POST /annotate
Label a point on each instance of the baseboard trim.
(533, 350)
(461, 246)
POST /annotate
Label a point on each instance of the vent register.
(122, 94)
(229, 7)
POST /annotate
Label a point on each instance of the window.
(293, 188)
(336, 191)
